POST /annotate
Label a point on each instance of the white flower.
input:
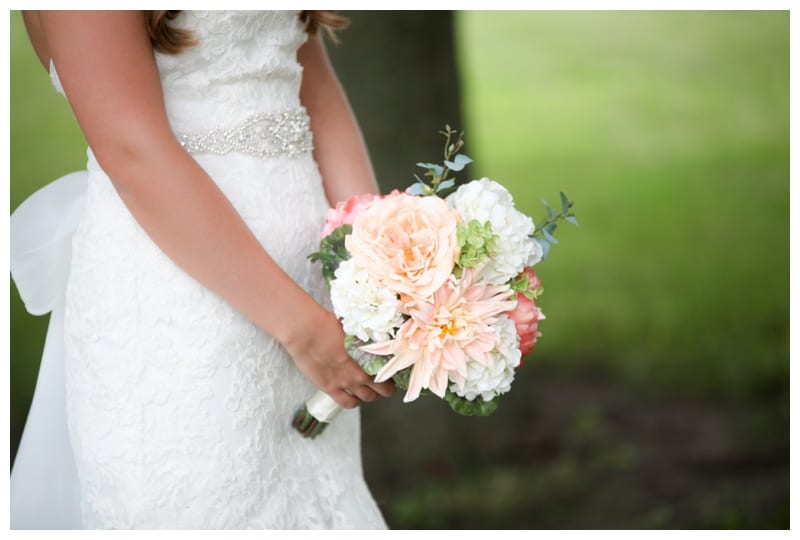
(368, 310)
(488, 381)
(514, 249)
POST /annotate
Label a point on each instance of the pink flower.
(526, 316)
(345, 212)
(407, 243)
(443, 333)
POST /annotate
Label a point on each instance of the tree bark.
(400, 71)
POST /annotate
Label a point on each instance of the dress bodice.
(244, 64)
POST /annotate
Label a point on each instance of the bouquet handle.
(320, 409)
(315, 415)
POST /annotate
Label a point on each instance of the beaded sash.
(286, 133)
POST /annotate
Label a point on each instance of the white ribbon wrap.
(322, 407)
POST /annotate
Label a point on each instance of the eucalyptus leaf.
(447, 184)
(550, 238)
(417, 189)
(463, 158)
(545, 247)
(572, 219)
(438, 169)
(459, 162)
(564, 203)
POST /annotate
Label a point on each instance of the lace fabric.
(178, 407)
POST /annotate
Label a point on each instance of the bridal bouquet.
(435, 287)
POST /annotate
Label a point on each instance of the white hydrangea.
(368, 310)
(514, 249)
(496, 378)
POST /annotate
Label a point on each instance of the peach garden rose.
(406, 242)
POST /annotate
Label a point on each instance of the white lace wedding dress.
(178, 407)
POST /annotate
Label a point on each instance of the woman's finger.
(345, 400)
(385, 389)
(364, 393)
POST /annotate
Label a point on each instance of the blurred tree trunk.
(400, 72)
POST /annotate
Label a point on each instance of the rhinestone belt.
(285, 133)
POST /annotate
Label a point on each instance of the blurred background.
(658, 395)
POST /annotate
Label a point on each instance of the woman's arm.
(339, 147)
(107, 68)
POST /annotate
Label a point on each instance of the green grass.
(670, 130)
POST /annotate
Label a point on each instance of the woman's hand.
(320, 355)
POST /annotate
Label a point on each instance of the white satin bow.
(44, 481)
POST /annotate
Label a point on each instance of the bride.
(193, 324)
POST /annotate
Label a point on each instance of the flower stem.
(306, 424)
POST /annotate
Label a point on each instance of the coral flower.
(526, 316)
(346, 212)
(444, 333)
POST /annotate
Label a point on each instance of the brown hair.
(170, 40)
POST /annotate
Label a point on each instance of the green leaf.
(372, 363)
(402, 377)
(332, 251)
(465, 407)
(572, 219)
(521, 283)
